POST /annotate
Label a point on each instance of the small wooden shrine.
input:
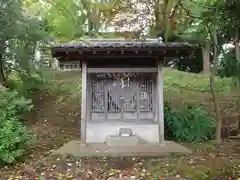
(122, 85)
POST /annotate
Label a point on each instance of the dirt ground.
(55, 122)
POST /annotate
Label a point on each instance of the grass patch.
(178, 81)
(182, 87)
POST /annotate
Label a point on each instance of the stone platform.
(122, 141)
(75, 148)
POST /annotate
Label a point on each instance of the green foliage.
(26, 83)
(46, 81)
(79, 17)
(13, 105)
(14, 139)
(69, 87)
(230, 19)
(228, 65)
(20, 34)
(64, 12)
(189, 124)
(193, 64)
(14, 135)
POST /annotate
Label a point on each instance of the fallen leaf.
(178, 176)
(211, 155)
(69, 164)
(166, 171)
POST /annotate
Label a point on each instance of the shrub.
(14, 135)
(26, 83)
(189, 124)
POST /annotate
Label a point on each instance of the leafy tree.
(80, 17)
(208, 14)
(10, 13)
(227, 64)
(162, 17)
(230, 24)
(20, 33)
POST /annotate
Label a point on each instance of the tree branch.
(204, 6)
(202, 19)
(187, 11)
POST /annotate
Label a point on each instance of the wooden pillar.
(155, 100)
(122, 108)
(138, 102)
(84, 102)
(89, 97)
(160, 101)
(106, 102)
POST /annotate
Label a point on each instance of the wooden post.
(160, 106)
(138, 102)
(106, 102)
(89, 97)
(155, 100)
(84, 102)
(122, 108)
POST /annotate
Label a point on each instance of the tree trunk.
(212, 88)
(206, 57)
(216, 108)
(158, 28)
(237, 51)
(3, 80)
(90, 24)
(236, 44)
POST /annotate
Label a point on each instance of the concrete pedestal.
(122, 141)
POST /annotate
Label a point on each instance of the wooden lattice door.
(122, 96)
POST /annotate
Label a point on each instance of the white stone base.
(97, 132)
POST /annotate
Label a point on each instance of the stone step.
(126, 132)
(116, 140)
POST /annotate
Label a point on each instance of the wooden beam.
(107, 53)
(84, 102)
(113, 70)
(121, 49)
(160, 101)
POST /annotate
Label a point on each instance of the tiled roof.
(121, 43)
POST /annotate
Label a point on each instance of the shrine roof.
(99, 46)
(121, 43)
